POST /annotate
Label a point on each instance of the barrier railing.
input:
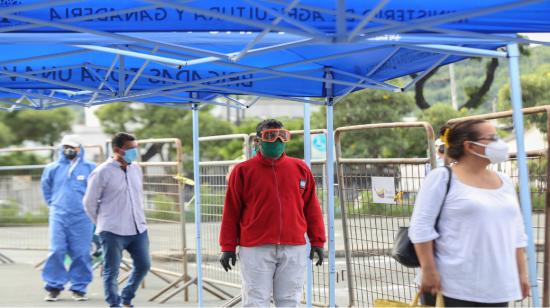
(369, 226)
(23, 211)
(214, 175)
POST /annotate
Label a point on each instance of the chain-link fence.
(537, 163)
(370, 219)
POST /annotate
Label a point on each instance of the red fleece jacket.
(271, 202)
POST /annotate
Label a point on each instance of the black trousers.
(428, 299)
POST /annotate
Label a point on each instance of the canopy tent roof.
(303, 17)
(72, 52)
(295, 71)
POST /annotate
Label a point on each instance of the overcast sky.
(538, 36)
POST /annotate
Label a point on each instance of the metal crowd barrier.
(164, 209)
(214, 175)
(23, 211)
(369, 228)
(538, 181)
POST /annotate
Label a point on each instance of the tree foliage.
(41, 126)
(365, 107)
(534, 92)
(477, 80)
(151, 121)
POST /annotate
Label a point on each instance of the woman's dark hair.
(119, 139)
(457, 134)
(266, 124)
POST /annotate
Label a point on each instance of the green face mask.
(272, 149)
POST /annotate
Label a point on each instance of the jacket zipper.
(280, 204)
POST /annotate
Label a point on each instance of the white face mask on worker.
(496, 151)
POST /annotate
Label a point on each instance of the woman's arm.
(522, 270)
(431, 282)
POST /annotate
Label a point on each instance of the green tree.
(439, 114)
(369, 106)
(45, 127)
(476, 93)
(17, 159)
(42, 126)
(150, 121)
(534, 92)
(6, 135)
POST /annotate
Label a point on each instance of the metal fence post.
(524, 191)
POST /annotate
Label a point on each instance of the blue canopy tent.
(184, 53)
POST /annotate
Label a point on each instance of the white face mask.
(496, 151)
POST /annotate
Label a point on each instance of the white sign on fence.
(383, 189)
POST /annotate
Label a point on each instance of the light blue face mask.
(130, 155)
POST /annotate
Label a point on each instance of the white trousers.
(272, 269)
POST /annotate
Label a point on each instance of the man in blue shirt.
(63, 186)
(114, 202)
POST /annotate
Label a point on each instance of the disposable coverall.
(63, 185)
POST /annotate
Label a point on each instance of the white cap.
(71, 140)
(439, 142)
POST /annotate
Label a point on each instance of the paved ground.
(21, 286)
(374, 276)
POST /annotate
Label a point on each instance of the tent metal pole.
(238, 20)
(159, 59)
(426, 72)
(61, 84)
(308, 29)
(49, 70)
(363, 79)
(366, 19)
(37, 5)
(139, 72)
(197, 191)
(269, 70)
(38, 95)
(467, 34)
(49, 56)
(524, 190)
(457, 50)
(307, 159)
(121, 75)
(262, 34)
(21, 28)
(447, 18)
(330, 190)
(340, 21)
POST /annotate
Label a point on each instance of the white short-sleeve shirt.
(477, 236)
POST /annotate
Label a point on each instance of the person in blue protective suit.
(63, 186)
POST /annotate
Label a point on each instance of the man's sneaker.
(52, 296)
(79, 297)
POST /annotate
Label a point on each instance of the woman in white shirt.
(475, 255)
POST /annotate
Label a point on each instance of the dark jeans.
(428, 299)
(113, 246)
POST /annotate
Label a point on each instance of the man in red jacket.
(270, 205)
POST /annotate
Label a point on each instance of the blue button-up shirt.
(114, 198)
